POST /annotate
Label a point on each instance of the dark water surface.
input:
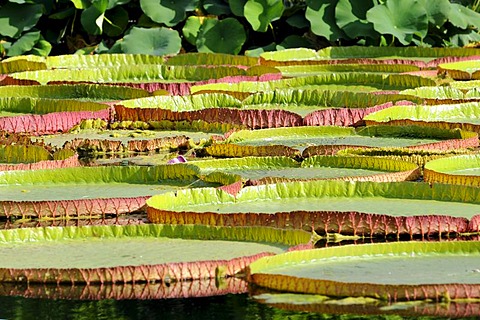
(231, 307)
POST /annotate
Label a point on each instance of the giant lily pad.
(184, 103)
(362, 52)
(305, 70)
(31, 157)
(379, 270)
(463, 170)
(202, 58)
(70, 254)
(134, 73)
(441, 95)
(418, 156)
(462, 70)
(352, 208)
(380, 81)
(460, 115)
(276, 169)
(300, 138)
(74, 61)
(90, 191)
(50, 115)
(78, 91)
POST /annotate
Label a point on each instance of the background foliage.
(44, 27)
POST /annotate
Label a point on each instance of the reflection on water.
(231, 307)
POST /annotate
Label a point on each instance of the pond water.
(230, 307)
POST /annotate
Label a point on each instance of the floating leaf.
(305, 70)
(140, 245)
(393, 52)
(184, 103)
(77, 91)
(138, 74)
(90, 191)
(418, 156)
(23, 154)
(279, 169)
(386, 136)
(336, 271)
(22, 63)
(436, 93)
(211, 59)
(460, 115)
(329, 206)
(462, 70)
(101, 60)
(379, 81)
(462, 170)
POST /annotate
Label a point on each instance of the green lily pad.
(276, 169)
(436, 93)
(306, 70)
(352, 208)
(378, 270)
(90, 190)
(465, 85)
(379, 81)
(461, 70)
(203, 58)
(84, 92)
(362, 52)
(321, 98)
(184, 103)
(73, 61)
(125, 140)
(458, 115)
(141, 73)
(464, 170)
(302, 137)
(418, 156)
(132, 252)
